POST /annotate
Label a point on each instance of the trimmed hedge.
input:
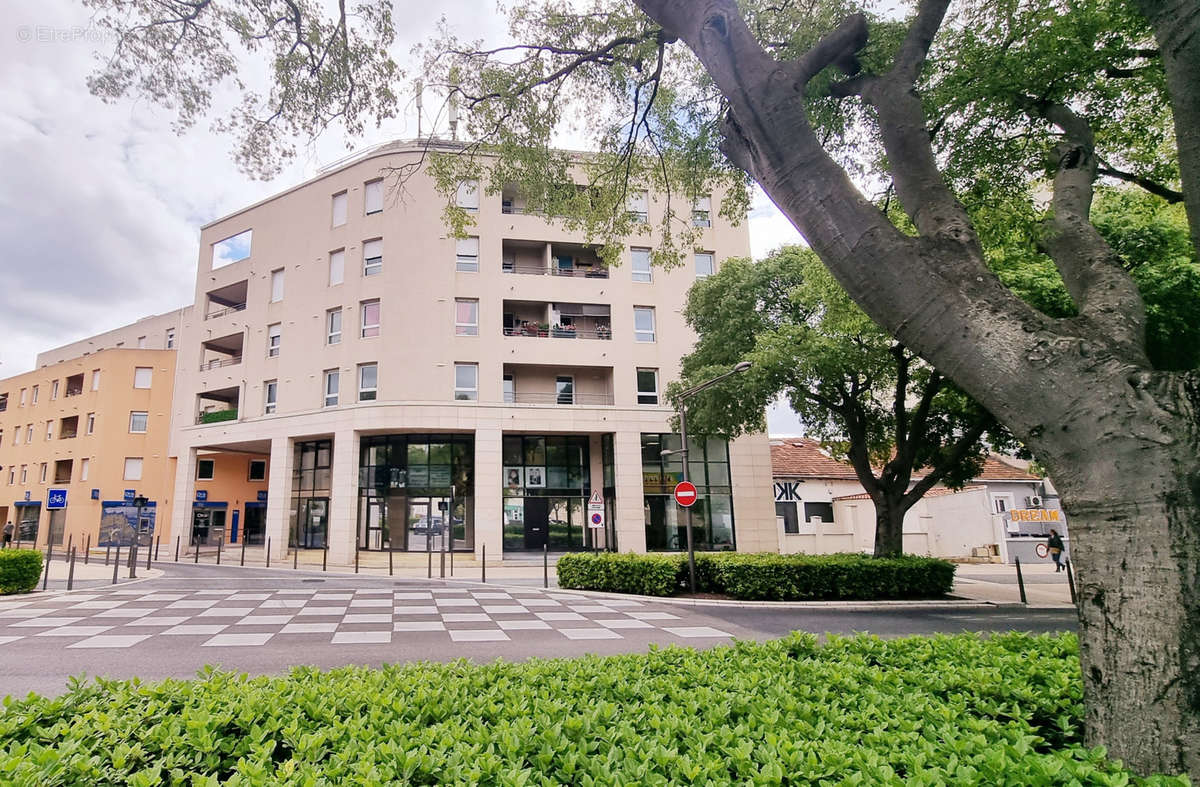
(20, 570)
(762, 576)
(962, 710)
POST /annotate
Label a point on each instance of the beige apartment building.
(86, 431)
(405, 390)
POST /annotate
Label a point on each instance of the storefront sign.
(1035, 515)
(262, 496)
(202, 494)
(787, 491)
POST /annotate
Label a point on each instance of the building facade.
(410, 391)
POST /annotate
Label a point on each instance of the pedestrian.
(8, 534)
(1055, 544)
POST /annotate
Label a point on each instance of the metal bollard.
(116, 563)
(196, 557)
(49, 557)
(390, 553)
(545, 566)
(268, 551)
(452, 562)
(107, 553)
(133, 558)
(157, 544)
(356, 558)
(243, 551)
(429, 552)
(87, 550)
(70, 546)
(1020, 581)
(296, 556)
(1071, 582)
(71, 572)
(483, 566)
(176, 549)
(219, 543)
(324, 557)
(149, 556)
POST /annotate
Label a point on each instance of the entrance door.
(58, 526)
(537, 521)
(316, 519)
(216, 533)
(254, 526)
(375, 532)
(419, 524)
(201, 523)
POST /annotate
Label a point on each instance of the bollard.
(390, 552)
(176, 549)
(483, 566)
(356, 558)
(196, 557)
(1071, 582)
(133, 557)
(429, 552)
(49, 557)
(296, 556)
(87, 550)
(116, 563)
(157, 544)
(243, 551)
(324, 557)
(71, 572)
(268, 551)
(545, 566)
(452, 562)
(107, 553)
(149, 555)
(219, 543)
(1020, 580)
(70, 546)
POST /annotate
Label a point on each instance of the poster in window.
(513, 477)
(535, 477)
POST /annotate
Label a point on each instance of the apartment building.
(400, 389)
(86, 432)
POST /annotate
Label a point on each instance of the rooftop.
(801, 457)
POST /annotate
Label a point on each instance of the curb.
(62, 592)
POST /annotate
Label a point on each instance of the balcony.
(217, 363)
(68, 427)
(541, 384)
(563, 398)
(542, 320)
(536, 258)
(74, 385)
(217, 405)
(226, 300)
(222, 351)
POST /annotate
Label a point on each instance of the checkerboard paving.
(254, 618)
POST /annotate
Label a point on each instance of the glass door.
(316, 519)
(375, 529)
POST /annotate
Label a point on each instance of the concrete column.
(596, 469)
(489, 514)
(630, 508)
(753, 499)
(343, 505)
(279, 496)
(185, 493)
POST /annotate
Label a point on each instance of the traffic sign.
(596, 510)
(596, 499)
(56, 498)
(597, 520)
(685, 493)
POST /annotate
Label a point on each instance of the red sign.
(685, 493)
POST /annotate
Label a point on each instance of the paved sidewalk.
(997, 583)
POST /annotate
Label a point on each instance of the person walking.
(8, 534)
(1055, 544)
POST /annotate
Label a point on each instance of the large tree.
(899, 423)
(809, 101)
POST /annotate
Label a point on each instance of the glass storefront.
(708, 469)
(312, 481)
(416, 492)
(547, 481)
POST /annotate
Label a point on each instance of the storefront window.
(311, 490)
(546, 482)
(708, 469)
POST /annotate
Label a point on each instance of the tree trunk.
(889, 527)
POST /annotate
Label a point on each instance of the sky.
(101, 205)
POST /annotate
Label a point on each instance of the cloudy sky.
(100, 205)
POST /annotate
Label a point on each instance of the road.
(264, 622)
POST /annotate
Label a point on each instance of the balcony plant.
(603, 331)
(564, 331)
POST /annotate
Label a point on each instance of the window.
(373, 197)
(466, 382)
(63, 469)
(337, 267)
(17, 435)
(647, 386)
(466, 317)
(141, 342)
(333, 383)
(142, 376)
(170, 338)
(510, 389)
(205, 469)
(641, 264)
(643, 323)
(231, 250)
(274, 339)
(787, 512)
(370, 319)
(339, 209)
(564, 389)
(49, 430)
(704, 264)
(277, 285)
(368, 382)
(91, 423)
(24, 474)
(3, 402)
(270, 394)
(467, 251)
(84, 466)
(822, 510)
(54, 390)
(95, 379)
(133, 468)
(638, 206)
(372, 257)
(258, 470)
(23, 397)
(701, 212)
(12, 475)
(29, 433)
(333, 326)
(34, 397)
(468, 195)
(42, 474)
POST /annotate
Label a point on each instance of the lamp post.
(740, 367)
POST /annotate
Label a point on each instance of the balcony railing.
(217, 363)
(237, 307)
(217, 416)
(533, 269)
(600, 332)
(68, 435)
(549, 397)
(74, 391)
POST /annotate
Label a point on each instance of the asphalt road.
(264, 622)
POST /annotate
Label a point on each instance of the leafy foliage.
(20, 570)
(925, 710)
(648, 575)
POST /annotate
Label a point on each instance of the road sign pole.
(688, 515)
(70, 543)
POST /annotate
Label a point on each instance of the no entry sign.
(685, 493)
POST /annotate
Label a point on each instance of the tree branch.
(1154, 187)
(958, 452)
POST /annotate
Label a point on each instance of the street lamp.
(738, 368)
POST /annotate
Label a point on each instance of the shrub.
(650, 575)
(960, 710)
(20, 570)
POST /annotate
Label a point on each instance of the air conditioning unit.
(1034, 501)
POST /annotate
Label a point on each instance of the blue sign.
(202, 494)
(95, 494)
(130, 494)
(56, 498)
(262, 496)
(26, 495)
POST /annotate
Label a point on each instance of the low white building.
(820, 507)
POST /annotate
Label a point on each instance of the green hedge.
(762, 576)
(20, 570)
(962, 710)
